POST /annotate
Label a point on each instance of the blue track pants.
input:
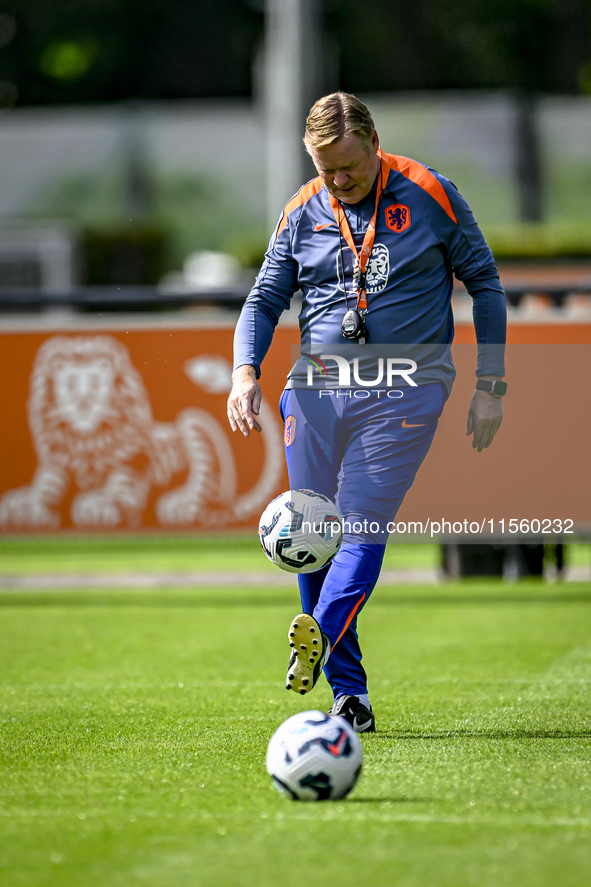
(362, 452)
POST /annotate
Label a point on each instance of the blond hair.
(335, 116)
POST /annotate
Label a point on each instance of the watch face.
(499, 388)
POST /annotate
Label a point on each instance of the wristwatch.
(498, 388)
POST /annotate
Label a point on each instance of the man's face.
(348, 167)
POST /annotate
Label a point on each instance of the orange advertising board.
(124, 428)
(536, 473)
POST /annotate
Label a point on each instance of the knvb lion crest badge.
(377, 271)
(398, 217)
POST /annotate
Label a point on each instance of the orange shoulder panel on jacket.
(303, 195)
(421, 176)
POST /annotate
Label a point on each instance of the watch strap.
(498, 388)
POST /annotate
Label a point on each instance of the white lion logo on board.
(92, 427)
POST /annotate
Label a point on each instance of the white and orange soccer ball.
(314, 757)
(301, 531)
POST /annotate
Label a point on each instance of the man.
(371, 243)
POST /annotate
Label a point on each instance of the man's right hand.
(244, 401)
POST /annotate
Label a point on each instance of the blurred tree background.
(71, 51)
(128, 54)
(537, 45)
(86, 51)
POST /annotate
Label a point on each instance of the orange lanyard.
(368, 240)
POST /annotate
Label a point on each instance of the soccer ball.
(301, 531)
(314, 757)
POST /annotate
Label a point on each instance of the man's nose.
(340, 179)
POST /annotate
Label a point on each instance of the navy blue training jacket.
(425, 230)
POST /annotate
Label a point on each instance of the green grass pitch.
(134, 724)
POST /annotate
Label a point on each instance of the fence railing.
(137, 298)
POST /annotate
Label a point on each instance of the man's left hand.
(484, 418)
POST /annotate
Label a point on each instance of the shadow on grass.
(488, 734)
(118, 598)
(400, 800)
(271, 597)
(485, 598)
